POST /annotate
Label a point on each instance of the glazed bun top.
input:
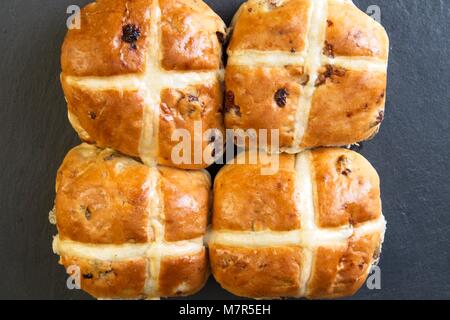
(325, 188)
(119, 37)
(288, 26)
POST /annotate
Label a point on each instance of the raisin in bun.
(313, 229)
(313, 69)
(133, 231)
(137, 70)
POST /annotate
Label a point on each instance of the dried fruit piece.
(131, 34)
(343, 165)
(230, 105)
(189, 105)
(328, 50)
(380, 117)
(192, 98)
(229, 100)
(381, 97)
(87, 213)
(275, 3)
(281, 97)
(329, 72)
(237, 111)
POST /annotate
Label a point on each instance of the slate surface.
(411, 152)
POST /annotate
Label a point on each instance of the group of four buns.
(134, 222)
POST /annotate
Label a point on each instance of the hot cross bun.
(132, 231)
(313, 69)
(135, 71)
(311, 229)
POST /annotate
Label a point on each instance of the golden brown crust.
(97, 48)
(351, 33)
(263, 98)
(102, 198)
(246, 200)
(347, 188)
(112, 118)
(189, 35)
(186, 197)
(181, 109)
(105, 279)
(257, 272)
(341, 270)
(263, 25)
(324, 270)
(181, 276)
(346, 108)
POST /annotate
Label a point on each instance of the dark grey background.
(411, 152)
